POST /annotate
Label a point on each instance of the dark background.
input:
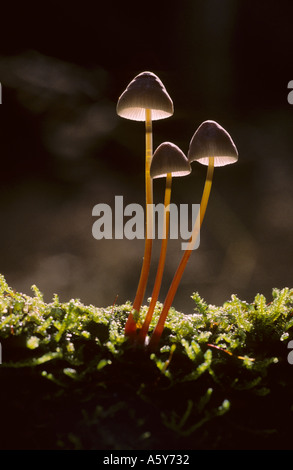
(63, 149)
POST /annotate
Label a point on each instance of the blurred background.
(63, 149)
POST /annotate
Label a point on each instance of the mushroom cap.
(145, 91)
(168, 158)
(212, 140)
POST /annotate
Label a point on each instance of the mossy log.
(220, 380)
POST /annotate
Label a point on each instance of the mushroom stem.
(155, 338)
(131, 327)
(161, 263)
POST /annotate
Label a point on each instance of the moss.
(70, 379)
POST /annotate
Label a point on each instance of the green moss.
(70, 379)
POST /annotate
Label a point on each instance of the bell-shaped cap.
(212, 140)
(168, 158)
(145, 91)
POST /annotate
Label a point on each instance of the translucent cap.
(168, 158)
(145, 91)
(212, 140)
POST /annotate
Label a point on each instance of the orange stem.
(131, 326)
(155, 338)
(161, 264)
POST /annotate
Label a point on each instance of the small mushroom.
(210, 145)
(212, 140)
(168, 161)
(145, 99)
(145, 91)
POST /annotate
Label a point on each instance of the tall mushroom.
(210, 145)
(145, 99)
(168, 161)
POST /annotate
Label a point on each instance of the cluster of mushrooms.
(146, 99)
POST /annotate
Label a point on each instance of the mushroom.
(168, 161)
(145, 99)
(210, 145)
